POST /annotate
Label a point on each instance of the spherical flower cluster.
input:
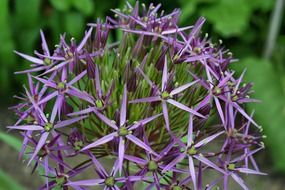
(158, 108)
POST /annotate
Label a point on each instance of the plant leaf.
(84, 6)
(229, 18)
(61, 5)
(11, 140)
(7, 182)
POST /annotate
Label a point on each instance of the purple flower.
(99, 102)
(108, 181)
(123, 131)
(166, 96)
(45, 127)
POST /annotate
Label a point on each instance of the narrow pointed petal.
(123, 112)
(141, 144)
(165, 115)
(226, 182)
(27, 127)
(44, 43)
(83, 112)
(121, 154)
(208, 139)
(198, 25)
(81, 95)
(56, 106)
(225, 80)
(148, 99)
(208, 163)
(220, 110)
(144, 122)
(183, 107)
(182, 88)
(244, 113)
(197, 58)
(68, 122)
(192, 172)
(239, 81)
(40, 144)
(46, 82)
(105, 120)
(56, 67)
(239, 181)
(83, 42)
(48, 97)
(91, 182)
(164, 75)
(176, 30)
(177, 160)
(250, 171)
(35, 105)
(145, 33)
(190, 131)
(98, 165)
(30, 58)
(55, 58)
(100, 141)
(135, 159)
(31, 70)
(77, 78)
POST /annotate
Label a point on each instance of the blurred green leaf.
(270, 113)
(27, 13)
(263, 5)
(61, 5)
(10, 140)
(16, 144)
(229, 18)
(8, 183)
(188, 9)
(74, 24)
(84, 6)
(7, 45)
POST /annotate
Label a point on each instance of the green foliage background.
(243, 26)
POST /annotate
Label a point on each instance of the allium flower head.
(160, 104)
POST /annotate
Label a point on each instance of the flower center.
(192, 151)
(231, 166)
(217, 91)
(48, 127)
(60, 180)
(165, 95)
(78, 145)
(197, 50)
(47, 61)
(99, 104)
(61, 85)
(123, 131)
(234, 97)
(152, 166)
(110, 181)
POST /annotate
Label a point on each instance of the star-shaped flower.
(45, 127)
(164, 96)
(122, 131)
